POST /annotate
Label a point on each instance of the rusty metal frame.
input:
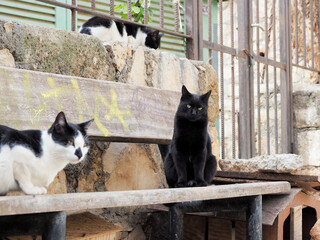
(73, 7)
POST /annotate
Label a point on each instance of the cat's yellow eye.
(188, 106)
(200, 108)
(71, 143)
(85, 145)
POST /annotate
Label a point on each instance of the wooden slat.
(268, 176)
(296, 223)
(11, 205)
(122, 112)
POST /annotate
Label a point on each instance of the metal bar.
(111, 7)
(129, 12)
(221, 80)
(296, 222)
(267, 75)
(176, 17)
(93, 5)
(200, 31)
(55, 227)
(176, 223)
(318, 11)
(312, 38)
(145, 12)
(191, 30)
(210, 28)
(161, 13)
(254, 219)
(244, 30)
(307, 68)
(258, 78)
(233, 83)
(296, 30)
(241, 54)
(275, 77)
(304, 32)
(104, 15)
(73, 16)
(285, 76)
(251, 84)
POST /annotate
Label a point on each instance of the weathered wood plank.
(10, 205)
(122, 112)
(296, 223)
(268, 176)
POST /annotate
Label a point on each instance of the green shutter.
(168, 42)
(33, 12)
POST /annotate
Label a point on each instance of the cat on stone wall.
(108, 31)
(30, 159)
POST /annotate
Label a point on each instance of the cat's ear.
(85, 125)
(185, 92)
(155, 35)
(60, 123)
(205, 97)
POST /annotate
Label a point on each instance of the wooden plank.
(89, 226)
(268, 176)
(10, 205)
(30, 99)
(296, 223)
(194, 227)
(219, 229)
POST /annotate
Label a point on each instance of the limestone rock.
(307, 144)
(133, 166)
(315, 231)
(280, 163)
(307, 108)
(6, 58)
(59, 184)
(56, 51)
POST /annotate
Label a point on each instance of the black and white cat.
(30, 159)
(189, 161)
(109, 31)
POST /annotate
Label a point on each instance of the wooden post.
(286, 77)
(176, 223)
(245, 82)
(296, 223)
(254, 219)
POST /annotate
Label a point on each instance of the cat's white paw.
(36, 191)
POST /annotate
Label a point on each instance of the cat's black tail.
(164, 149)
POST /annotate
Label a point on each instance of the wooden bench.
(122, 113)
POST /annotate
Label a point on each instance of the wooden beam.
(122, 112)
(296, 223)
(10, 205)
(268, 176)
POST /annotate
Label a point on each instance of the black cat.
(189, 161)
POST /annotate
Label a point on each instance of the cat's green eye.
(71, 143)
(200, 108)
(84, 145)
(188, 106)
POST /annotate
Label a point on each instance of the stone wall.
(110, 166)
(306, 112)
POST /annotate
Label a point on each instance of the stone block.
(56, 51)
(306, 105)
(6, 58)
(307, 144)
(279, 163)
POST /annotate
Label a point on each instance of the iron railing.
(255, 57)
